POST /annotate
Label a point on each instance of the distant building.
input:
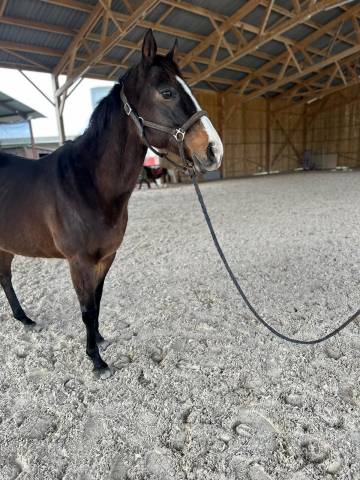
(16, 135)
(97, 94)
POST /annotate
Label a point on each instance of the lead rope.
(179, 134)
(243, 295)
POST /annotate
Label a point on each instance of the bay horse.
(73, 203)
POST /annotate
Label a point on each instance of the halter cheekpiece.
(178, 133)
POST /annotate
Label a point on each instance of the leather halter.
(177, 134)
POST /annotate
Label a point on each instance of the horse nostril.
(211, 153)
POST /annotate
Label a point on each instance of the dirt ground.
(200, 391)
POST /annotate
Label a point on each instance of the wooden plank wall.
(258, 139)
(244, 138)
(333, 126)
(287, 138)
(262, 135)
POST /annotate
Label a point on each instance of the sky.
(78, 106)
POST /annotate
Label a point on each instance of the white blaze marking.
(212, 134)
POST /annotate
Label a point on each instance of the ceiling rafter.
(291, 78)
(300, 46)
(81, 34)
(109, 43)
(322, 90)
(223, 28)
(214, 61)
(157, 26)
(280, 28)
(3, 5)
(323, 79)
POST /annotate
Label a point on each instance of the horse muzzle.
(210, 160)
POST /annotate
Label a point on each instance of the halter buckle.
(179, 135)
(127, 109)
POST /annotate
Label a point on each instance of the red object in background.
(151, 160)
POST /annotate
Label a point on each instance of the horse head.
(159, 93)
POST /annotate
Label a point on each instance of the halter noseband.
(178, 133)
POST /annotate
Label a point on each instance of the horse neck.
(113, 154)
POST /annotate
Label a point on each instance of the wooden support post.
(268, 137)
(305, 129)
(221, 125)
(58, 113)
(33, 149)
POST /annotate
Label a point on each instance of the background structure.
(268, 72)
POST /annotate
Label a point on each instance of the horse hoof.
(27, 322)
(103, 373)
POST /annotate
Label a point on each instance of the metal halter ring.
(179, 135)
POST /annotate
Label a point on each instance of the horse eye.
(167, 94)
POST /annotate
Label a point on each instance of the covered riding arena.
(200, 391)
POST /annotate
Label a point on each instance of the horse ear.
(149, 47)
(173, 54)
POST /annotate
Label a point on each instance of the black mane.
(104, 112)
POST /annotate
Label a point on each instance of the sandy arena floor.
(200, 391)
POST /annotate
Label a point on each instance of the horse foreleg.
(98, 294)
(6, 283)
(86, 276)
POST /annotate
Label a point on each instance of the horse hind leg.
(6, 283)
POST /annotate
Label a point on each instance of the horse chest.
(103, 238)
(109, 237)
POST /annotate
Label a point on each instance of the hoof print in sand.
(160, 465)
(314, 450)
(73, 384)
(257, 473)
(157, 355)
(22, 352)
(11, 470)
(119, 470)
(255, 432)
(122, 362)
(333, 352)
(143, 380)
(333, 467)
(294, 400)
(38, 428)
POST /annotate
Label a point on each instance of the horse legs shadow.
(6, 283)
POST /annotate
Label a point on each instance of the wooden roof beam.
(223, 28)
(3, 5)
(81, 34)
(106, 61)
(314, 82)
(301, 46)
(179, 33)
(98, 39)
(291, 78)
(273, 33)
(145, 7)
